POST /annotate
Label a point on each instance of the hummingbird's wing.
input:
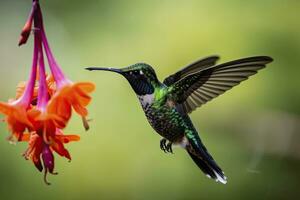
(194, 67)
(196, 89)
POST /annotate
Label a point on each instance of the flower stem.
(43, 88)
(54, 67)
(25, 99)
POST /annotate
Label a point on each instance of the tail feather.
(207, 164)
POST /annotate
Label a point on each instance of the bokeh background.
(252, 131)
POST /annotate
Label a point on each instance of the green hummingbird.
(167, 105)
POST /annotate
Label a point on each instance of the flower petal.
(67, 138)
(59, 148)
(16, 117)
(48, 158)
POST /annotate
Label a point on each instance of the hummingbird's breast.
(163, 117)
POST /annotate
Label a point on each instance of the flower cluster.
(43, 105)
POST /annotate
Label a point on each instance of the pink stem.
(43, 87)
(54, 67)
(25, 99)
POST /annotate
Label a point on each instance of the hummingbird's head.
(141, 77)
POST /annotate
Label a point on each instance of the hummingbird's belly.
(166, 121)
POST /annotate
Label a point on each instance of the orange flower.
(75, 95)
(68, 94)
(39, 150)
(43, 105)
(16, 119)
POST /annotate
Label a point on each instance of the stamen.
(45, 135)
(85, 123)
(11, 139)
(45, 177)
(54, 173)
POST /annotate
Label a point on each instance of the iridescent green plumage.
(167, 105)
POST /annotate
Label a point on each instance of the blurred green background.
(252, 131)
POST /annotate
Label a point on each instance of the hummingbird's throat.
(146, 100)
(141, 86)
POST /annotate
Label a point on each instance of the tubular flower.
(15, 111)
(39, 151)
(43, 105)
(68, 94)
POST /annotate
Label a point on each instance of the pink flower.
(43, 106)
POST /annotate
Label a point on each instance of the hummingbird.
(167, 104)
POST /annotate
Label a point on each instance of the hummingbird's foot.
(163, 145)
(169, 147)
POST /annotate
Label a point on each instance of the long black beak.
(119, 71)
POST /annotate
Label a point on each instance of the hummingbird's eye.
(141, 72)
(136, 72)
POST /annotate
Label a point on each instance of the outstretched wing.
(194, 67)
(198, 88)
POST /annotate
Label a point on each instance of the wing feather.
(196, 88)
(191, 68)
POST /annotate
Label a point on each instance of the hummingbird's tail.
(206, 163)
